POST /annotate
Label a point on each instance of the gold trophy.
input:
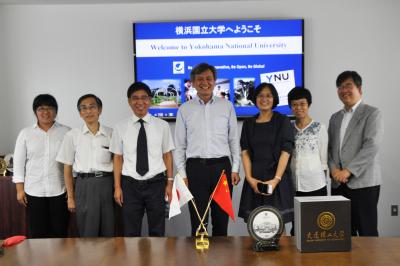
(3, 167)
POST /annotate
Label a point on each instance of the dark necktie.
(142, 161)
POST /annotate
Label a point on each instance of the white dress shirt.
(347, 115)
(159, 141)
(309, 158)
(206, 131)
(35, 162)
(87, 152)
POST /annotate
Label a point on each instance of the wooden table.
(14, 220)
(180, 251)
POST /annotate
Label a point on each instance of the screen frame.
(239, 117)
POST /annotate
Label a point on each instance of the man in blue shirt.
(206, 139)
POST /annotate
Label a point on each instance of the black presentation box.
(322, 223)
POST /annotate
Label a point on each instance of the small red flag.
(222, 196)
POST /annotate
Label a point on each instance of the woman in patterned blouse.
(309, 158)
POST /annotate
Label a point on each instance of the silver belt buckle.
(98, 174)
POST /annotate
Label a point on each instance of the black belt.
(94, 174)
(156, 178)
(208, 161)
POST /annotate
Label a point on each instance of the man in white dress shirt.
(143, 166)
(206, 138)
(85, 151)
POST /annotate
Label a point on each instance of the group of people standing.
(132, 164)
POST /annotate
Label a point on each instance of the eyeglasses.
(206, 79)
(346, 86)
(263, 96)
(142, 98)
(299, 105)
(42, 109)
(84, 108)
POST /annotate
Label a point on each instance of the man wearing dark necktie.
(142, 161)
(142, 147)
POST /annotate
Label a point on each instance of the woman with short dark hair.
(267, 142)
(309, 158)
(38, 177)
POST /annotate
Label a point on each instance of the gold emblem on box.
(326, 220)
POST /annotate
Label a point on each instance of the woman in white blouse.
(38, 177)
(309, 158)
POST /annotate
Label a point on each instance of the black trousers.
(319, 192)
(141, 196)
(48, 216)
(364, 208)
(203, 176)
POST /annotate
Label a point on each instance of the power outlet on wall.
(395, 210)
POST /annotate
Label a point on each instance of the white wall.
(3, 142)
(69, 50)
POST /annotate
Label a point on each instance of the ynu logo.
(178, 67)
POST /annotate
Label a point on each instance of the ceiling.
(52, 2)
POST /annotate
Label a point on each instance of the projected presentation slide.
(244, 52)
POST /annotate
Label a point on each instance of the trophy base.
(259, 246)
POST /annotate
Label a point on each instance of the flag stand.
(203, 242)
